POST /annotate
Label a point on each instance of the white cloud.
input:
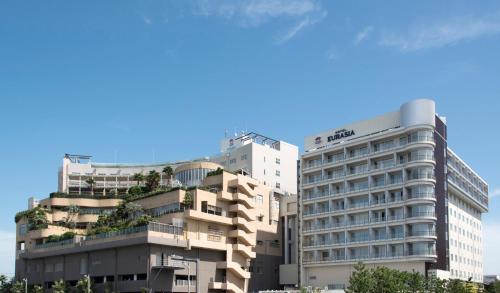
(442, 34)
(253, 13)
(363, 34)
(298, 27)
(293, 31)
(331, 55)
(7, 252)
(256, 12)
(494, 193)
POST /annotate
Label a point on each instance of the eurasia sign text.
(339, 134)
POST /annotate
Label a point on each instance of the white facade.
(369, 192)
(271, 162)
(467, 196)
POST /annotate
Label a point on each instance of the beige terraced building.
(389, 191)
(228, 240)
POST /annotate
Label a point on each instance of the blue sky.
(143, 81)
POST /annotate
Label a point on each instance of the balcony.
(248, 226)
(358, 188)
(333, 159)
(312, 164)
(234, 268)
(227, 286)
(422, 195)
(245, 250)
(422, 214)
(158, 229)
(424, 233)
(242, 210)
(247, 239)
(358, 205)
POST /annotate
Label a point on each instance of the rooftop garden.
(219, 171)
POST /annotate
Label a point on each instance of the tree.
(59, 287)
(90, 181)
(37, 218)
(18, 287)
(142, 221)
(70, 219)
(152, 180)
(37, 289)
(3, 280)
(188, 200)
(5, 284)
(385, 280)
(135, 190)
(138, 177)
(83, 286)
(436, 285)
(493, 287)
(415, 282)
(361, 280)
(168, 171)
(456, 286)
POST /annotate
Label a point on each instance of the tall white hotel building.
(389, 191)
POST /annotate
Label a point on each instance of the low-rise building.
(227, 238)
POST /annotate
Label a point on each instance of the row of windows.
(244, 158)
(466, 233)
(463, 274)
(466, 247)
(465, 260)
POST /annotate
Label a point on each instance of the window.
(98, 279)
(210, 209)
(83, 266)
(260, 218)
(232, 161)
(58, 267)
(278, 161)
(278, 185)
(243, 157)
(260, 242)
(278, 173)
(142, 276)
(23, 229)
(126, 277)
(258, 199)
(49, 268)
(214, 233)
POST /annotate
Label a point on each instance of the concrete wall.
(265, 273)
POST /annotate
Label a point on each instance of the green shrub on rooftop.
(57, 238)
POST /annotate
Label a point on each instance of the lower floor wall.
(138, 267)
(337, 276)
(126, 269)
(265, 273)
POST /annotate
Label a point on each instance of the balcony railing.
(429, 195)
(152, 226)
(422, 233)
(422, 214)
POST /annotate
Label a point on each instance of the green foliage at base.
(385, 280)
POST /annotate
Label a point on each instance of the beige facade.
(232, 227)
